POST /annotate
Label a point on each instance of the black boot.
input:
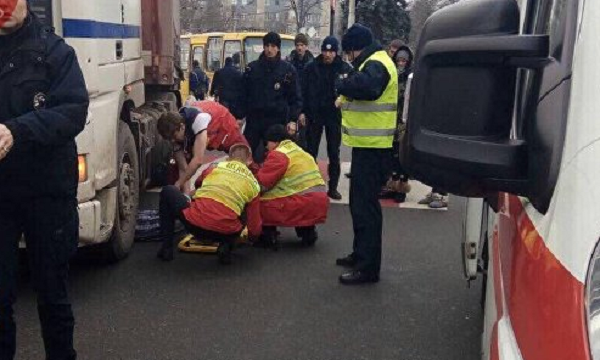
(309, 236)
(334, 194)
(165, 253)
(348, 261)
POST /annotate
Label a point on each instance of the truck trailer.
(128, 51)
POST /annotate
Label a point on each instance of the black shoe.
(356, 277)
(348, 261)
(399, 197)
(268, 241)
(310, 239)
(224, 253)
(165, 255)
(334, 194)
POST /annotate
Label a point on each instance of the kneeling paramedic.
(227, 198)
(294, 192)
(204, 125)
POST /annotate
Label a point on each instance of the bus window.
(213, 54)
(233, 49)
(253, 47)
(287, 45)
(185, 54)
(199, 56)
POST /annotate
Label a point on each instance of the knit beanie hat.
(357, 37)
(276, 133)
(301, 38)
(330, 43)
(272, 38)
(402, 54)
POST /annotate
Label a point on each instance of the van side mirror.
(462, 99)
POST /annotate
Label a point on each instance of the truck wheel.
(128, 195)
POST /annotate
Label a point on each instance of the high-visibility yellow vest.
(302, 174)
(232, 184)
(371, 124)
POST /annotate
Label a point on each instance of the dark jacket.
(272, 89)
(228, 86)
(45, 105)
(318, 88)
(300, 63)
(198, 80)
(403, 78)
(367, 84)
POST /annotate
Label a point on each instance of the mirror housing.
(462, 99)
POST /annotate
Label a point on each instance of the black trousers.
(370, 167)
(257, 124)
(333, 136)
(51, 229)
(172, 204)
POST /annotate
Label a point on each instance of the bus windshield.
(253, 47)
(185, 54)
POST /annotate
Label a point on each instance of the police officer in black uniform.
(44, 106)
(272, 93)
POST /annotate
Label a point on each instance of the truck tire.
(128, 196)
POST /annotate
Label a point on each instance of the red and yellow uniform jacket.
(294, 192)
(228, 189)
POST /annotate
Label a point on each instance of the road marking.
(418, 191)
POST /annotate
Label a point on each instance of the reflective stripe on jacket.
(302, 175)
(232, 184)
(371, 124)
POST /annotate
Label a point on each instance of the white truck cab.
(504, 109)
(127, 51)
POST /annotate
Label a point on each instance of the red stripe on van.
(545, 302)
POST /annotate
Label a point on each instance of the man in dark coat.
(272, 93)
(44, 106)
(301, 56)
(199, 82)
(227, 88)
(318, 91)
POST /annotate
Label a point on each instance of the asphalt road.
(278, 305)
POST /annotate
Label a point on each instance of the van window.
(213, 53)
(233, 49)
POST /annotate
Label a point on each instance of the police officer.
(369, 103)
(319, 94)
(272, 93)
(44, 106)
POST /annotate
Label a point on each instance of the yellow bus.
(205, 48)
(211, 50)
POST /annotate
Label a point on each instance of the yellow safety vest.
(371, 124)
(302, 174)
(232, 184)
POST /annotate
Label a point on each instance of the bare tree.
(303, 8)
(420, 11)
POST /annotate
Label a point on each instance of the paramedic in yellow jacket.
(294, 192)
